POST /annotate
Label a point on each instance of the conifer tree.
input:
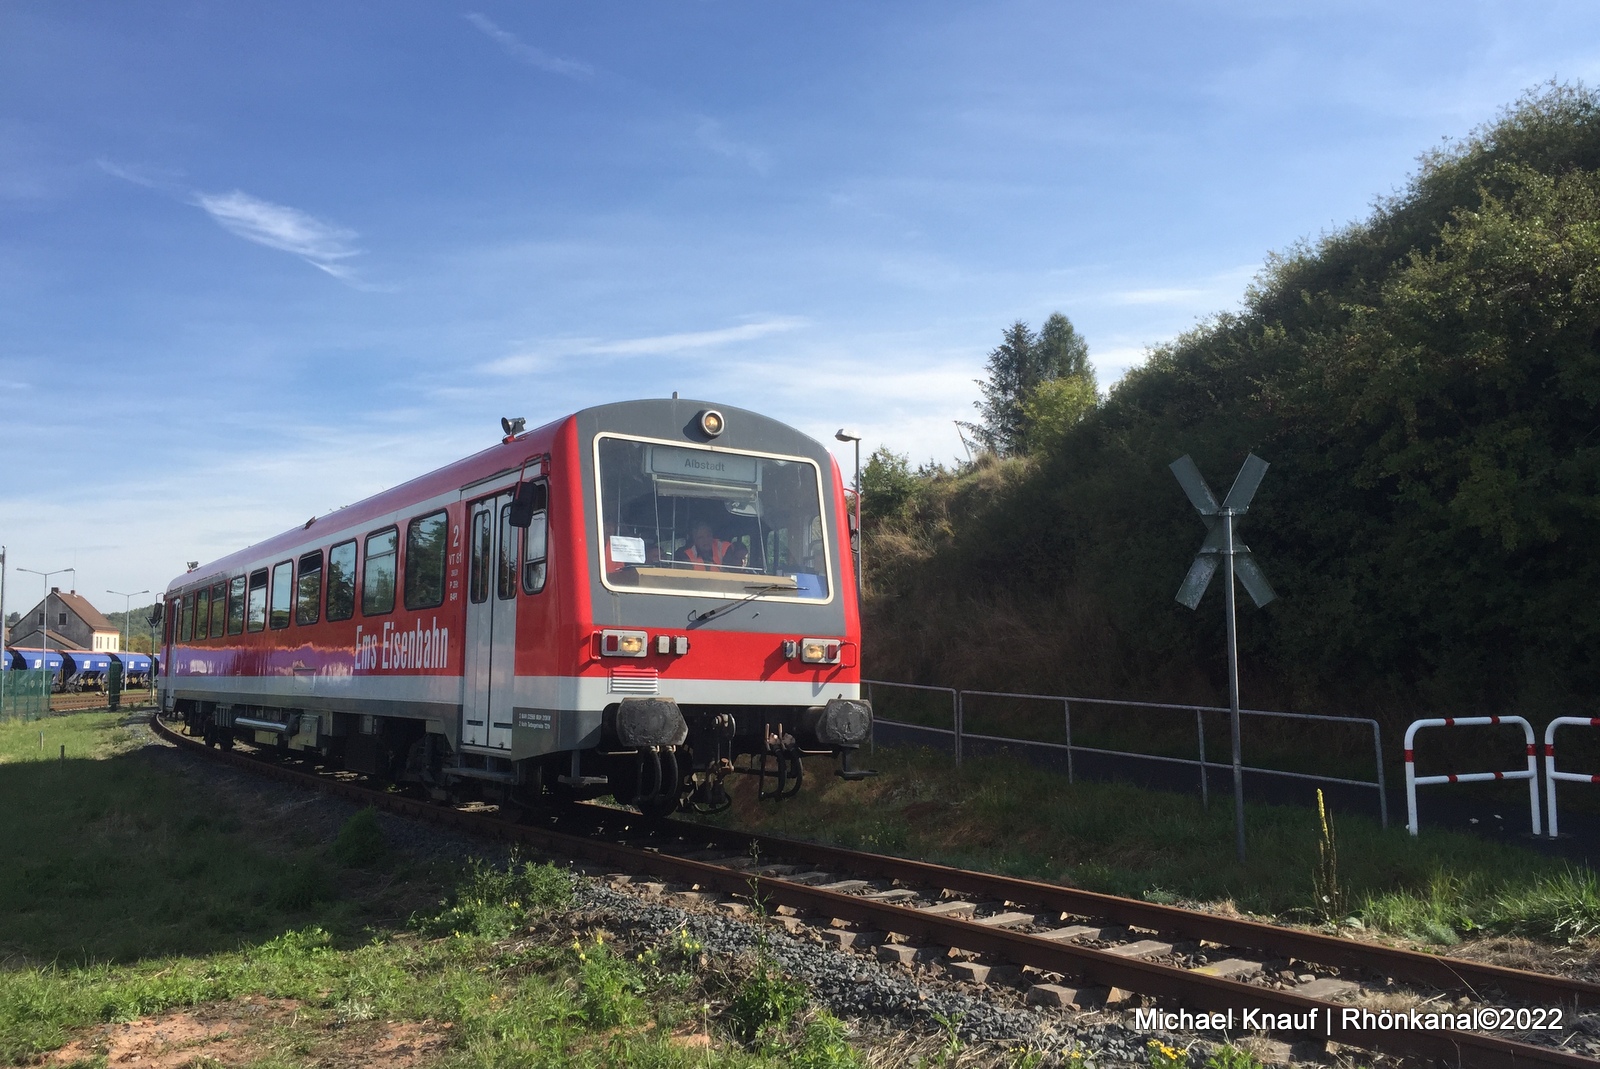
(1018, 366)
(1012, 373)
(1062, 352)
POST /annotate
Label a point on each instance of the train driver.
(705, 551)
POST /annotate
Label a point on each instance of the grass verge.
(1005, 816)
(168, 918)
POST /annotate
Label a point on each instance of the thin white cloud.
(659, 344)
(710, 133)
(526, 53)
(322, 245)
(148, 177)
(701, 339)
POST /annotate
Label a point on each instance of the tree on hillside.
(1018, 367)
(1011, 375)
(1062, 352)
(886, 483)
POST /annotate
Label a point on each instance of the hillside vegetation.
(1426, 385)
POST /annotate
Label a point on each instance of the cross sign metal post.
(1236, 559)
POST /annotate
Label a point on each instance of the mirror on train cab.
(530, 498)
(155, 613)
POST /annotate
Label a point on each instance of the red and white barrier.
(1413, 781)
(1550, 773)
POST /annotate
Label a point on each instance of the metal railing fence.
(1553, 775)
(1530, 773)
(23, 695)
(959, 734)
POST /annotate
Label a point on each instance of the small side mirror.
(530, 498)
(155, 613)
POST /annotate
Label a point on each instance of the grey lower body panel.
(544, 731)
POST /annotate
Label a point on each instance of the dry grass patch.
(251, 1030)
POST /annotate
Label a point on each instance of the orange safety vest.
(718, 550)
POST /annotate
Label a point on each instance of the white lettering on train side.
(419, 647)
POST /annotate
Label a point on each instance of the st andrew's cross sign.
(1220, 546)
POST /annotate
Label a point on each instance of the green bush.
(823, 1045)
(491, 902)
(764, 1000)
(361, 842)
(609, 986)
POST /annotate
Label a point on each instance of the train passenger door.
(491, 624)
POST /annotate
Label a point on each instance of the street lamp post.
(127, 607)
(861, 535)
(45, 662)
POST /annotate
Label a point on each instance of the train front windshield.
(704, 521)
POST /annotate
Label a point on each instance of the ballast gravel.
(860, 990)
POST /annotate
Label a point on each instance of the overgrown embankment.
(1426, 385)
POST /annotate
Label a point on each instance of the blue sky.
(257, 261)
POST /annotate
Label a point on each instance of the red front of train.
(638, 599)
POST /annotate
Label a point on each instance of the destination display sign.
(702, 464)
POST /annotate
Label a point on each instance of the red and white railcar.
(636, 599)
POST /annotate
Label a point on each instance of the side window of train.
(505, 569)
(534, 549)
(202, 614)
(167, 626)
(236, 605)
(342, 581)
(482, 546)
(427, 541)
(187, 631)
(255, 616)
(282, 593)
(377, 578)
(219, 610)
(308, 601)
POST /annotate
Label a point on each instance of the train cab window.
(219, 610)
(482, 547)
(282, 594)
(309, 599)
(505, 570)
(236, 605)
(342, 581)
(377, 576)
(202, 615)
(681, 520)
(170, 623)
(255, 606)
(186, 632)
(534, 540)
(427, 540)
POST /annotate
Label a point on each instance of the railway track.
(1065, 947)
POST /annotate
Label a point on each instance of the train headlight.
(819, 651)
(624, 643)
(712, 423)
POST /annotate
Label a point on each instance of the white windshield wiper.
(712, 614)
